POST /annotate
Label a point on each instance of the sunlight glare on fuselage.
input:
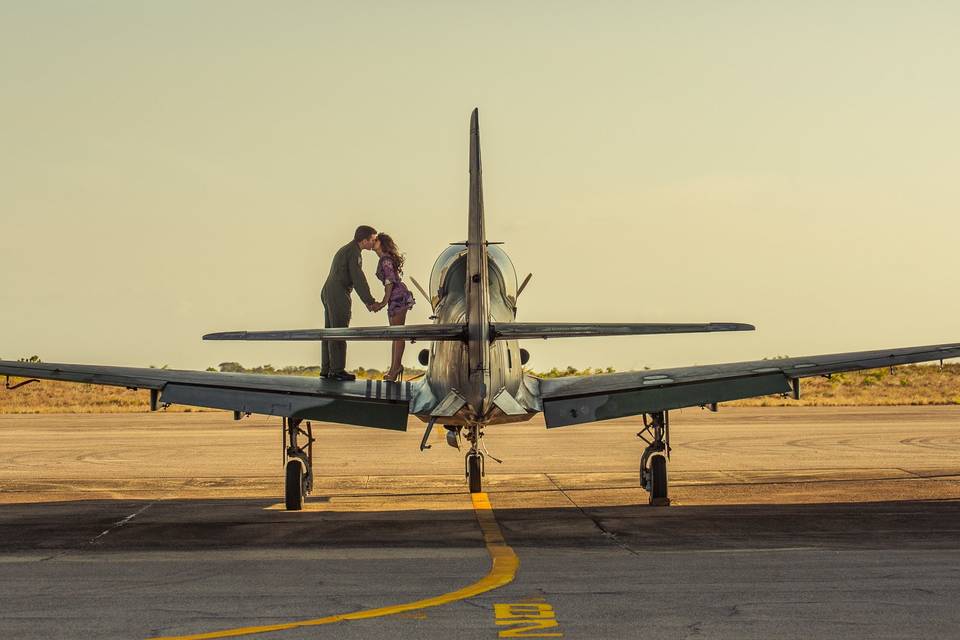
(503, 275)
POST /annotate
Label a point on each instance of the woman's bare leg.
(396, 366)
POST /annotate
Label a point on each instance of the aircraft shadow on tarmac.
(184, 525)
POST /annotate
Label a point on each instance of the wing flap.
(562, 412)
(364, 413)
(545, 330)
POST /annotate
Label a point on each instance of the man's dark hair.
(363, 232)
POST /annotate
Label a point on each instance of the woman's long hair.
(389, 247)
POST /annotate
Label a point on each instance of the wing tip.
(730, 326)
(225, 335)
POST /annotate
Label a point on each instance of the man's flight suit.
(346, 275)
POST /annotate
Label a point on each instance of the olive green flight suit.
(346, 275)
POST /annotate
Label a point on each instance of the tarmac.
(798, 522)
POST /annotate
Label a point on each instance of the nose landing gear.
(653, 461)
(474, 462)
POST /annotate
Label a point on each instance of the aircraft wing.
(366, 403)
(579, 399)
(529, 330)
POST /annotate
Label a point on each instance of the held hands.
(376, 306)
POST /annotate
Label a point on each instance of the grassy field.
(909, 385)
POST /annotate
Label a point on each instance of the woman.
(396, 297)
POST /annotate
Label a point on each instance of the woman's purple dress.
(400, 298)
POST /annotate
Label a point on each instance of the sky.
(174, 168)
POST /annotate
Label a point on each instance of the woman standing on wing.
(396, 297)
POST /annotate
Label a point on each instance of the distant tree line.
(409, 372)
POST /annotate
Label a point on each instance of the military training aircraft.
(475, 375)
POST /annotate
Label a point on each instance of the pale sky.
(169, 169)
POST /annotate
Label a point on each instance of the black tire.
(658, 477)
(294, 485)
(473, 474)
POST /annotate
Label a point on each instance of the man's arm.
(359, 280)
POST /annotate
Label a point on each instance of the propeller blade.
(420, 289)
(523, 285)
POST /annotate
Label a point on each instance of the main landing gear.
(299, 462)
(653, 461)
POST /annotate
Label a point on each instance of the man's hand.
(372, 307)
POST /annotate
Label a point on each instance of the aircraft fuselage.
(450, 368)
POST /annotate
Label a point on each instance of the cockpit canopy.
(449, 274)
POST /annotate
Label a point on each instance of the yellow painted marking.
(527, 620)
(504, 567)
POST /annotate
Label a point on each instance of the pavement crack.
(116, 525)
(596, 522)
(694, 630)
(52, 557)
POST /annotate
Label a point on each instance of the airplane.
(475, 375)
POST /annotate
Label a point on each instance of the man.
(346, 274)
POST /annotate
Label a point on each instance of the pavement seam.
(95, 540)
(603, 531)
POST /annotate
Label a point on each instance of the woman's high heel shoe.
(392, 376)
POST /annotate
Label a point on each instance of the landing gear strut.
(653, 461)
(299, 462)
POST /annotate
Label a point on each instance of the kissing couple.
(346, 275)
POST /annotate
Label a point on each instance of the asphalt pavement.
(785, 523)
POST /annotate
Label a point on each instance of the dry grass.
(909, 385)
(48, 396)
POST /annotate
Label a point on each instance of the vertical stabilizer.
(478, 286)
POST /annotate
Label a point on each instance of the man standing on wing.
(346, 274)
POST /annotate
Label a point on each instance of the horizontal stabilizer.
(530, 330)
(431, 332)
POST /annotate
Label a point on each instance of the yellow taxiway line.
(504, 568)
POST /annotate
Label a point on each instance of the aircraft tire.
(473, 474)
(294, 485)
(658, 481)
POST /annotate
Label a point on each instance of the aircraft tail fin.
(477, 286)
(476, 231)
